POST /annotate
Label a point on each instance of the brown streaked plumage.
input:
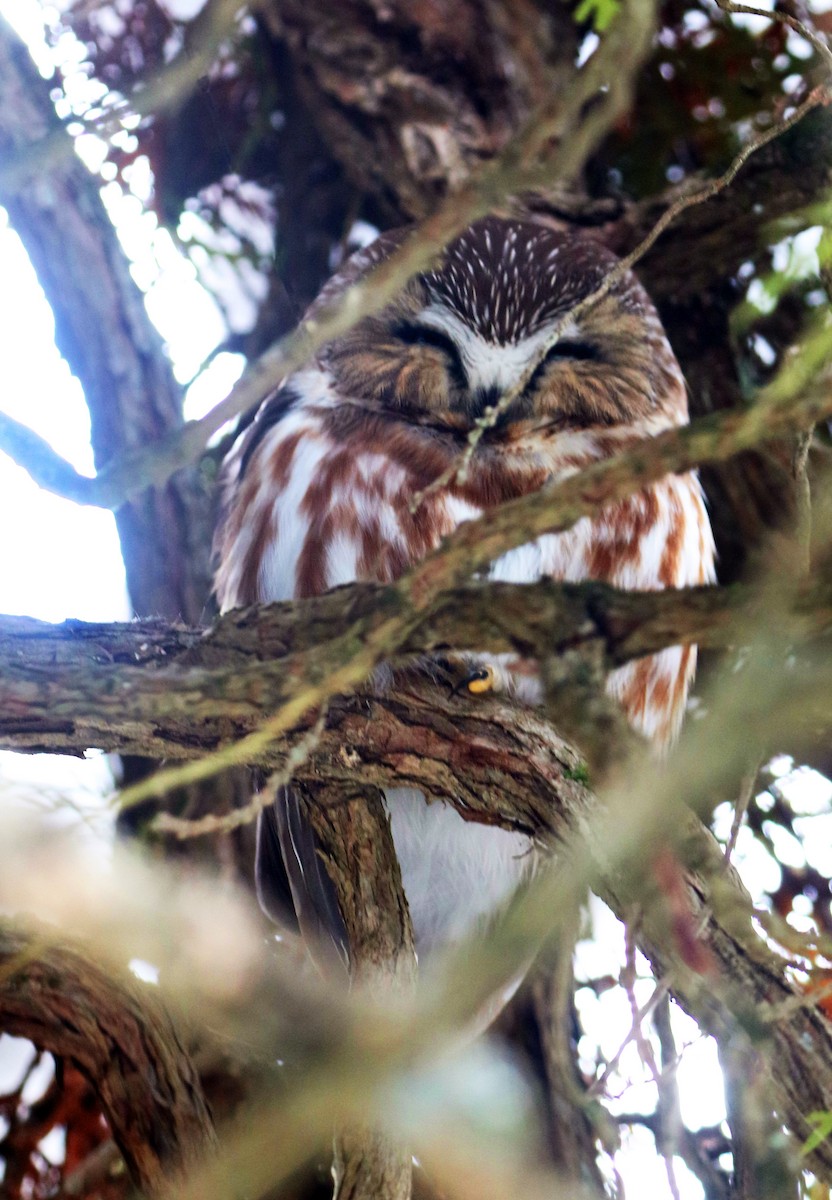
(319, 489)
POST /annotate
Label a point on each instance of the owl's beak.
(484, 398)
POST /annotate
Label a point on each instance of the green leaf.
(822, 1127)
(600, 12)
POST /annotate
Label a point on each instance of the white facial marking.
(491, 364)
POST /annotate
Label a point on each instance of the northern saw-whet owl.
(319, 492)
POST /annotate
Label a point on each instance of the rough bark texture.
(368, 1166)
(175, 692)
(103, 330)
(571, 1132)
(150, 688)
(497, 764)
(122, 1039)
(355, 837)
(412, 96)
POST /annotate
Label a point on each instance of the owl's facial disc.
(464, 401)
(484, 369)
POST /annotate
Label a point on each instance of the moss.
(579, 773)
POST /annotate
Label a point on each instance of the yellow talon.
(480, 681)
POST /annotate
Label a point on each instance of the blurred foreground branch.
(122, 1039)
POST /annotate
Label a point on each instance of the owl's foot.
(464, 674)
(467, 674)
(480, 681)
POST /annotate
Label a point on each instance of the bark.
(120, 1037)
(412, 97)
(355, 837)
(316, 205)
(368, 1166)
(103, 330)
(540, 1024)
(155, 689)
(572, 1134)
(505, 766)
(151, 688)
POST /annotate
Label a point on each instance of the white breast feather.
(455, 874)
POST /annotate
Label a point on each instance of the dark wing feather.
(274, 892)
(293, 885)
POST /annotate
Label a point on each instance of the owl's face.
(459, 336)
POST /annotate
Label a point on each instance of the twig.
(183, 827)
(598, 1086)
(743, 800)
(782, 18)
(628, 982)
(670, 1116)
(667, 1136)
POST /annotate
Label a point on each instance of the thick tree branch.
(122, 1039)
(154, 689)
(407, 128)
(158, 689)
(103, 330)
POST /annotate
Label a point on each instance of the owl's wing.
(271, 880)
(306, 512)
(293, 886)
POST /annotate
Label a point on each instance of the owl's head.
(460, 335)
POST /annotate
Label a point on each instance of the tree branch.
(103, 330)
(158, 689)
(122, 1039)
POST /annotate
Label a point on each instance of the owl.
(320, 490)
